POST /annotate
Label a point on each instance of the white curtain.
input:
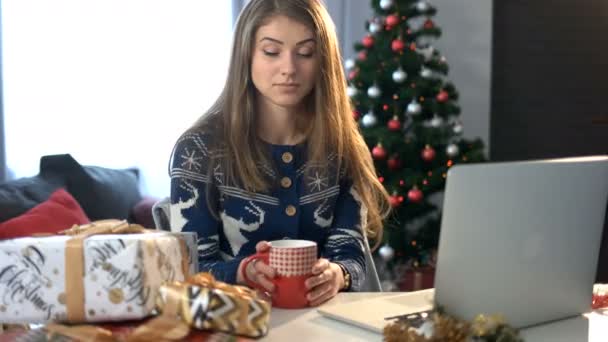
(112, 82)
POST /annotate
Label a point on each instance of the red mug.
(292, 261)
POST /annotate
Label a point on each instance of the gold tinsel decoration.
(447, 328)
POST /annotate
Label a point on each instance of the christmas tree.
(409, 116)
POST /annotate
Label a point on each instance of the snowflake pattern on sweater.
(300, 205)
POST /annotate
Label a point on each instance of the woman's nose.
(288, 65)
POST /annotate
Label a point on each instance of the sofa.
(66, 193)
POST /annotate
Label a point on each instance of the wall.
(466, 43)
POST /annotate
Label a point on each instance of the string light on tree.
(428, 153)
(369, 119)
(399, 76)
(374, 91)
(379, 152)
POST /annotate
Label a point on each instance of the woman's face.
(284, 62)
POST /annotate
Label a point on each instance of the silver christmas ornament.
(452, 150)
(386, 4)
(414, 108)
(426, 72)
(426, 52)
(422, 6)
(375, 27)
(457, 128)
(399, 75)
(369, 119)
(436, 121)
(349, 64)
(374, 92)
(386, 252)
(351, 91)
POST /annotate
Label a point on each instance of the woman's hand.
(258, 271)
(326, 282)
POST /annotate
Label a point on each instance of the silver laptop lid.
(521, 239)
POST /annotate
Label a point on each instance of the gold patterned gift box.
(207, 304)
(88, 277)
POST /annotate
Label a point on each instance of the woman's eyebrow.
(282, 43)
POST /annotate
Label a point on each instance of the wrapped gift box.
(418, 278)
(110, 277)
(206, 304)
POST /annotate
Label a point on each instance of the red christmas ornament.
(428, 153)
(397, 45)
(356, 115)
(392, 20)
(379, 152)
(362, 55)
(429, 24)
(368, 41)
(394, 124)
(442, 96)
(415, 195)
(394, 200)
(352, 75)
(394, 163)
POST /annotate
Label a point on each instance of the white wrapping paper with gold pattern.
(122, 275)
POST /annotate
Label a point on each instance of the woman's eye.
(305, 55)
(271, 53)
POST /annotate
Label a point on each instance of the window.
(112, 82)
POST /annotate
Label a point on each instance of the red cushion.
(59, 212)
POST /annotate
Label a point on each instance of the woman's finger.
(264, 282)
(318, 279)
(265, 269)
(320, 266)
(320, 294)
(262, 246)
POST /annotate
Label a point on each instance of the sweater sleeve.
(190, 209)
(344, 243)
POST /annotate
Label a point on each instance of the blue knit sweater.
(310, 205)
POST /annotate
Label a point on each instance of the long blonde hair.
(331, 130)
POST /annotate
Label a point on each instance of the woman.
(279, 155)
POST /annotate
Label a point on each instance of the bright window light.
(112, 82)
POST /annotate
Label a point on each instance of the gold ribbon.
(74, 274)
(171, 325)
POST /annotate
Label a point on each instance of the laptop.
(520, 239)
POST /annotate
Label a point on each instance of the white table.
(308, 325)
